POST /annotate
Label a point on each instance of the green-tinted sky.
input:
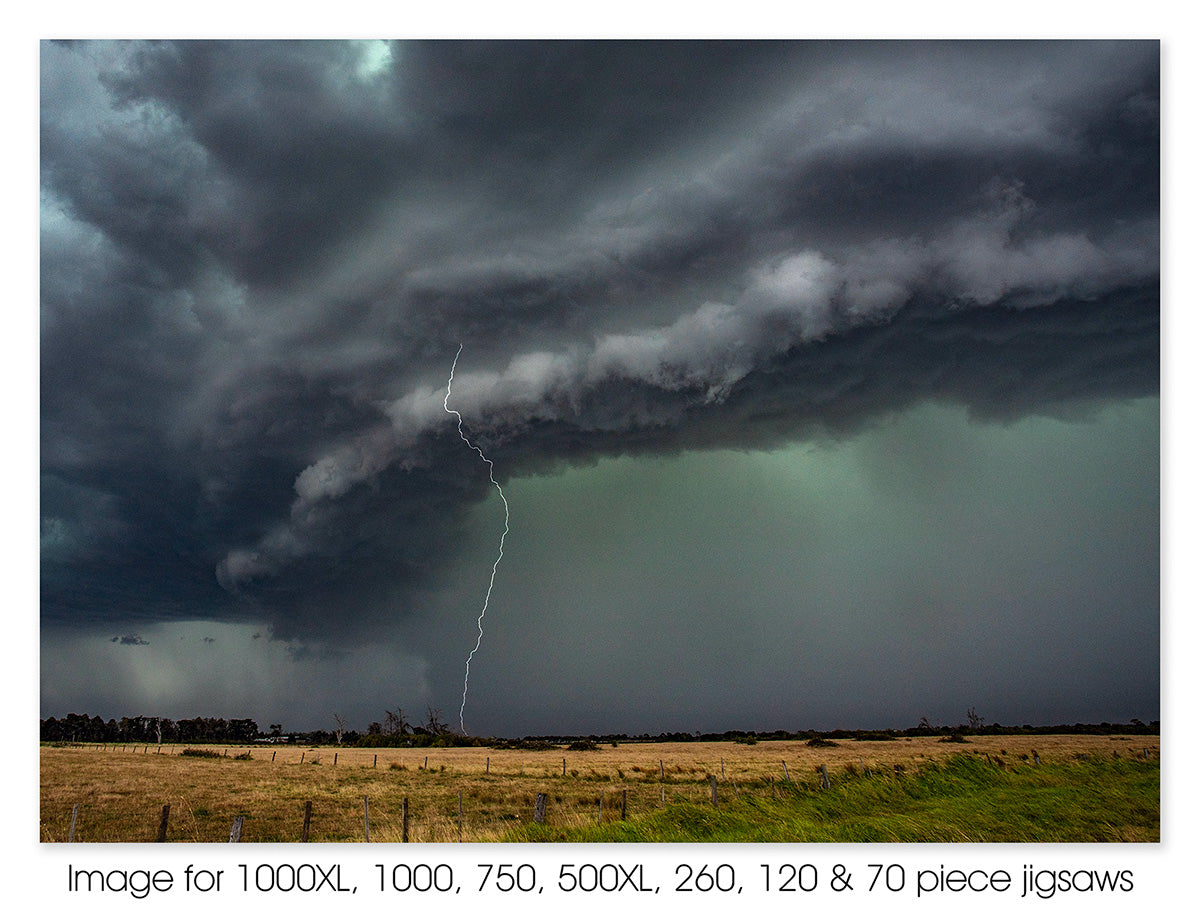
(928, 565)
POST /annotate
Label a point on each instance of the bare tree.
(973, 719)
(433, 721)
(395, 722)
(340, 727)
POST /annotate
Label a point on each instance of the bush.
(196, 751)
(528, 744)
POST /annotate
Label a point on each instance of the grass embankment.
(964, 799)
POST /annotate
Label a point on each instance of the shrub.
(525, 744)
(197, 751)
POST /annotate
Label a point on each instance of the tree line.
(76, 728)
(397, 730)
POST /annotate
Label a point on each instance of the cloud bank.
(258, 260)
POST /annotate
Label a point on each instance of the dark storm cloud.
(258, 260)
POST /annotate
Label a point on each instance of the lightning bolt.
(487, 597)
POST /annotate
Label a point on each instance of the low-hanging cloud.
(258, 259)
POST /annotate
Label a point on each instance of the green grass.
(963, 799)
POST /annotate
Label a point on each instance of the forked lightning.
(487, 597)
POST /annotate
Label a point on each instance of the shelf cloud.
(259, 258)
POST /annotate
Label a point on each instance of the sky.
(821, 381)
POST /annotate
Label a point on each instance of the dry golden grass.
(121, 791)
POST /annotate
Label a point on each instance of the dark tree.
(394, 723)
(433, 721)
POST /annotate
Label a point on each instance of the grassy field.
(1013, 788)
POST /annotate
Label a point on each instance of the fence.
(610, 804)
(235, 830)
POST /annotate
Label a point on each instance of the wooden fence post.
(235, 831)
(366, 818)
(785, 772)
(564, 765)
(722, 769)
(307, 821)
(335, 757)
(624, 802)
(539, 808)
(404, 820)
(487, 766)
(302, 752)
(824, 777)
(661, 775)
(74, 814)
(162, 823)
(273, 755)
(375, 762)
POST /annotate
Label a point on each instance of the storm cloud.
(258, 260)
